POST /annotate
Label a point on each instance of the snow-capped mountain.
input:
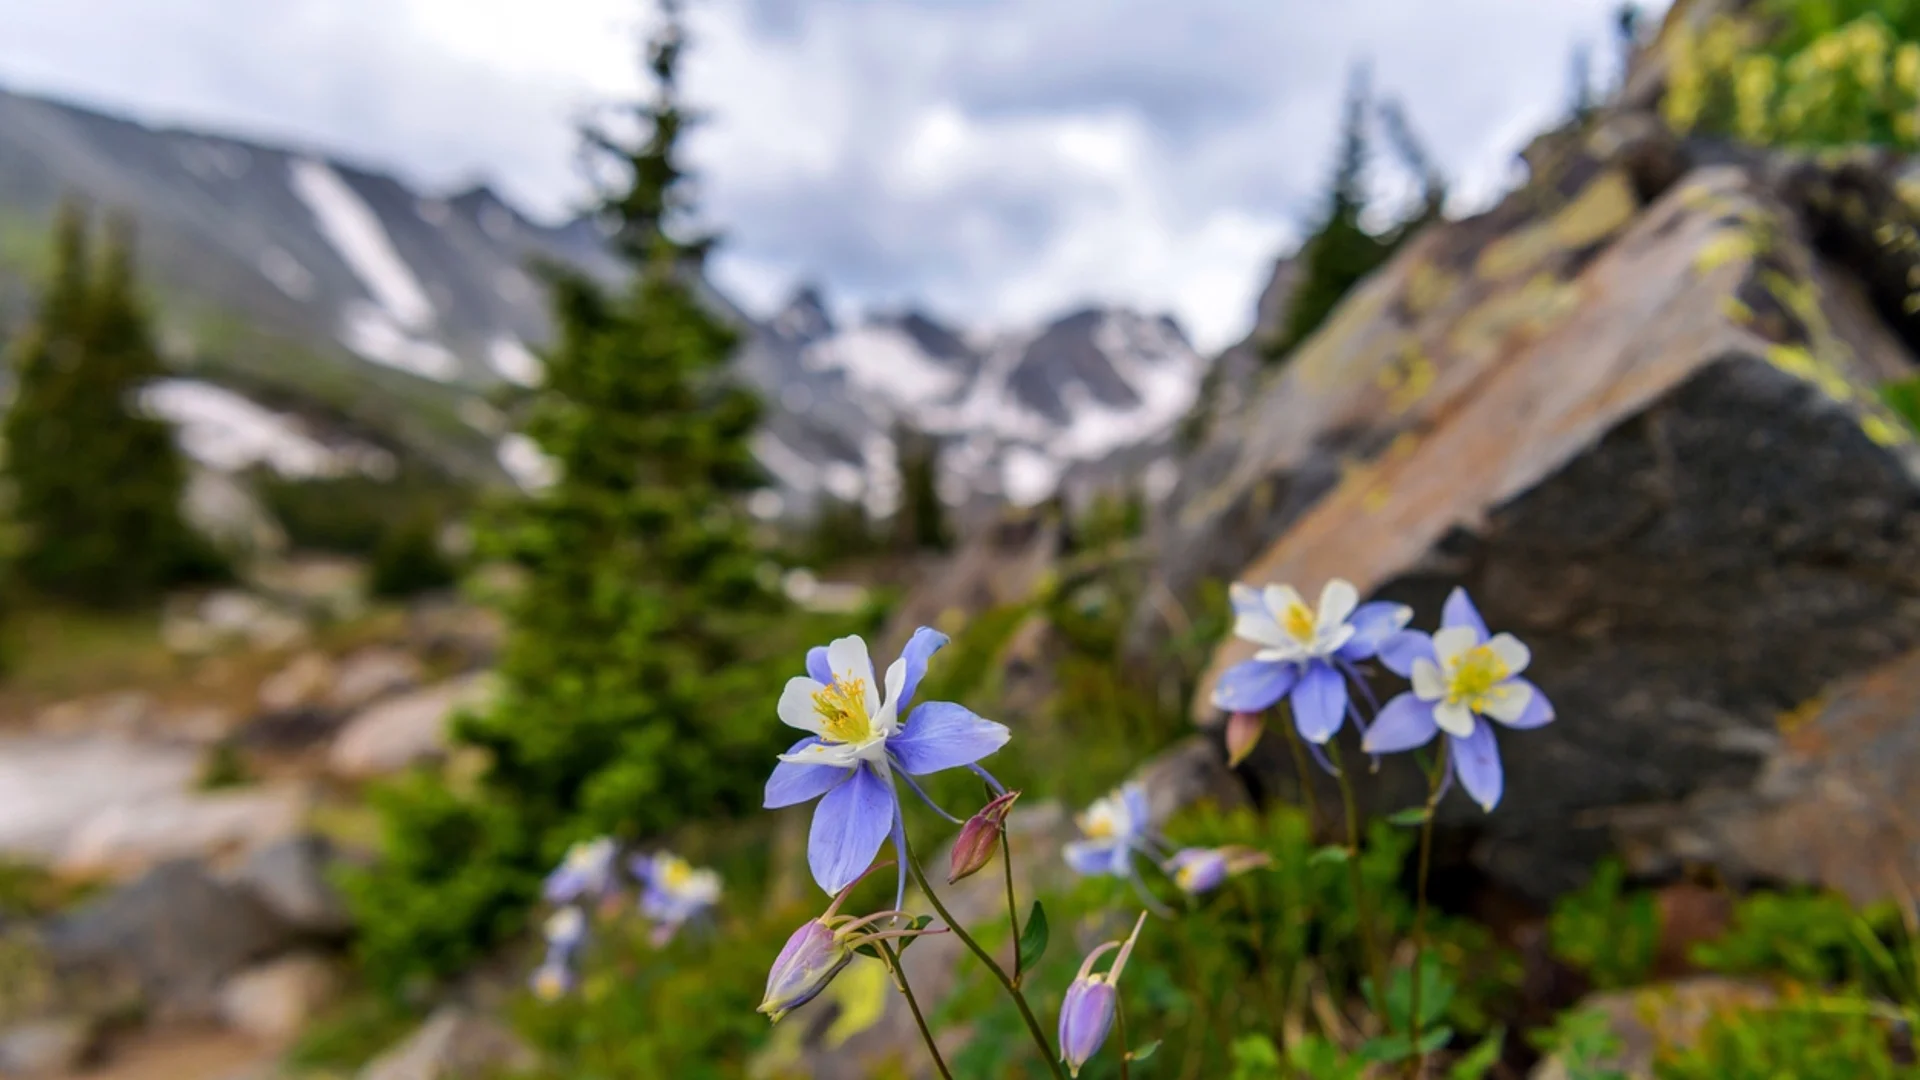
(328, 316)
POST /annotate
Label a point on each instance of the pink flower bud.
(1243, 734)
(979, 837)
(810, 960)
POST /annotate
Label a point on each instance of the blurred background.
(436, 430)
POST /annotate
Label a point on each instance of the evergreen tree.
(921, 522)
(97, 484)
(641, 672)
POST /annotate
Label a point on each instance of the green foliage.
(1903, 397)
(1609, 935)
(409, 560)
(350, 1034)
(1582, 1039)
(921, 522)
(97, 484)
(224, 767)
(1818, 939)
(1808, 73)
(357, 514)
(1837, 1040)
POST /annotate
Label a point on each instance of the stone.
(1642, 428)
(122, 713)
(226, 617)
(293, 878)
(126, 838)
(275, 1000)
(1664, 1016)
(225, 511)
(51, 786)
(301, 682)
(177, 934)
(454, 1042)
(372, 674)
(52, 1046)
(403, 731)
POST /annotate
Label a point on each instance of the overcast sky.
(994, 161)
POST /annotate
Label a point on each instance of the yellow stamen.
(1097, 823)
(1298, 622)
(676, 874)
(1474, 675)
(842, 708)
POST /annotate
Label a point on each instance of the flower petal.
(1508, 701)
(817, 666)
(849, 826)
(1319, 703)
(941, 735)
(1095, 857)
(1512, 652)
(1453, 717)
(1539, 711)
(1280, 600)
(848, 658)
(1428, 683)
(1459, 611)
(1261, 628)
(1450, 643)
(796, 704)
(920, 648)
(1372, 625)
(1337, 600)
(792, 784)
(1400, 650)
(1133, 796)
(1245, 598)
(1476, 761)
(1405, 722)
(1254, 685)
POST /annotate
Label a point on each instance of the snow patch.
(787, 465)
(225, 431)
(354, 230)
(514, 361)
(884, 362)
(286, 273)
(1028, 476)
(371, 332)
(526, 463)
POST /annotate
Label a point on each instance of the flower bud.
(810, 960)
(1086, 1015)
(979, 837)
(1243, 734)
(1200, 870)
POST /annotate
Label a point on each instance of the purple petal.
(1405, 723)
(1400, 650)
(1459, 611)
(925, 642)
(1138, 808)
(1372, 625)
(817, 667)
(1539, 710)
(792, 784)
(1319, 703)
(1086, 1015)
(1254, 685)
(1093, 858)
(942, 735)
(1476, 760)
(849, 826)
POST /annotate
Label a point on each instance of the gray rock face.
(177, 933)
(453, 1043)
(291, 878)
(46, 1048)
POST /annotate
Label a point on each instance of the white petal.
(1280, 600)
(1452, 642)
(1260, 628)
(1508, 701)
(1511, 653)
(1337, 601)
(1427, 682)
(1243, 597)
(1453, 718)
(796, 704)
(838, 755)
(848, 658)
(1328, 640)
(1280, 654)
(886, 720)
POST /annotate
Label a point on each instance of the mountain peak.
(805, 316)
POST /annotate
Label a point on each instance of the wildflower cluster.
(673, 894)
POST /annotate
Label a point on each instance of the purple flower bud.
(1086, 1015)
(1243, 734)
(810, 960)
(979, 837)
(1200, 870)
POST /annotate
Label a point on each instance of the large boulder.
(1637, 418)
(403, 731)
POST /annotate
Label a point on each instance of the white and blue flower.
(585, 872)
(1114, 829)
(1306, 654)
(673, 891)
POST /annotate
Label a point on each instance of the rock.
(326, 586)
(49, 787)
(292, 878)
(1645, 437)
(372, 674)
(275, 1000)
(403, 731)
(466, 635)
(49, 1047)
(301, 682)
(120, 714)
(1668, 1015)
(124, 839)
(999, 565)
(227, 617)
(177, 934)
(453, 1043)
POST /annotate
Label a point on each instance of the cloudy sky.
(994, 161)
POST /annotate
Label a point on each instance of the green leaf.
(1332, 853)
(1473, 1065)
(1412, 815)
(1144, 1052)
(1033, 939)
(920, 922)
(868, 951)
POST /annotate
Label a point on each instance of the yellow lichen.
(1602, 208)
(1884, 432)
(1801, 715)
(1427, 285)
(1406, 378)
(1723, 247)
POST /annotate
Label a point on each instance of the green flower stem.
(913, 1004)
(1013, 990)
(1126, 1058)
(1013, 909)
(1305, 770)
(1363, 911)
(1420, 910)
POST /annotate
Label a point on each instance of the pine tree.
(921, 522)
(643, 664)
(97, 484)
(1340, 252)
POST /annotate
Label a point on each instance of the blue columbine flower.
(857, 740)
(1086, 1013)
(673, 891)
(1114, 828)
(1462, 676)
(565, 931)
(585, 871)
(1201, 870)
(1306, 655)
